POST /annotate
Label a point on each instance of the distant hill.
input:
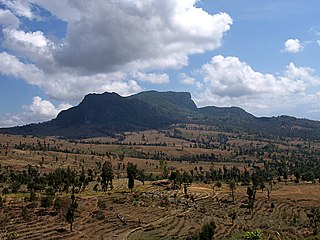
(109, 113)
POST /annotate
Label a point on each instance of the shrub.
(5, 191)
(46, 201)
(25, 214)
(207, 231)
(101, 204)
(252, 235)
(57, 204)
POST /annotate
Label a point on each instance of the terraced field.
(152, 212)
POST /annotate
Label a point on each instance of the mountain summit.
(109, 113)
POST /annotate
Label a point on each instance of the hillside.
(109, 113)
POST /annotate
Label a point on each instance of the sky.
(262, 56)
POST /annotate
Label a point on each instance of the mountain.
(109, 113)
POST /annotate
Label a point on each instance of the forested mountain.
(109, 113)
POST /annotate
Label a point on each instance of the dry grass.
(151, 212)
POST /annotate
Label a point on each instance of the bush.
(5, 191)
(15, 186)
(46, 201)
(25, 214)
(207, 231)
(252, 235)
(57, 204)
(101, 204)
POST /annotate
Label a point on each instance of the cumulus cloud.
(21, 8)
(40, 110)
(186, 79)
(109, 35)
(12, 66)
(65, 85)
(161, 78)
(33, 46)
(292, 46)
(106, 41)
(230, 82)
(304, 75)
(228, 76)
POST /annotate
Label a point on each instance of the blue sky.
(258, 55)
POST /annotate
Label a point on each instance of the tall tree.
(251, 192)
(71, 210)
(106, 176)
(131, 174)
(232, 186)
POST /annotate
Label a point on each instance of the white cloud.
(64, 85)
(161, 78)
(185, 79)
(31, 45)
(8, 19)
(228, 76)
(21, 8)
(292, 46)
(302, 74)
(106, 41)
(44, 108)
(230, 82)
(40, 110)
(111, 35)
(11, 65)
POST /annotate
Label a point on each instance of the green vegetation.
(252, 235)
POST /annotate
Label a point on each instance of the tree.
(269, 190)
(131, 174)
(25, 214)
(175, 177)
(308, 176)
(262, 186)
(141, 176)
(314, 217)
(251, 198)
(70, 213)
(232, 186)
(1, 201)
(83, 180)
(164, 168)
(297, 177)
(70, 217)
(106, 176)
(233, 216)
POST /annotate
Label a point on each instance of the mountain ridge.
(109, 113)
